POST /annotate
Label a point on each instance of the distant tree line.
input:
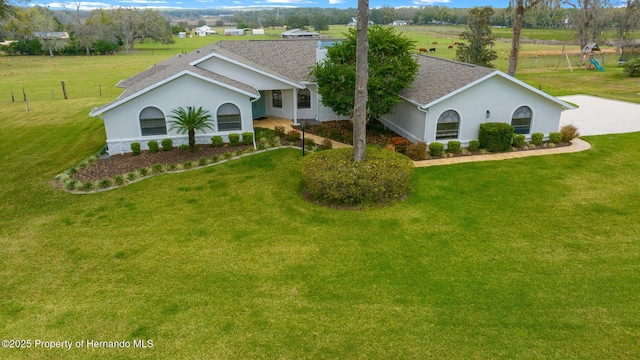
(39, 30)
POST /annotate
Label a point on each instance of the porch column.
(295, 106)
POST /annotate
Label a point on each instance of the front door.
(258, 107)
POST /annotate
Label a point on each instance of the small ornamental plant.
(293, 135)
(216, 141)
(135, 148)
(555, 137)
(436, 149)
(234, 139)
(453, 147)
(474, 145)
(399, 143)
(153, 146)
(247, 138)
(518, 140)
(167, 144)
(569, 132)
(536, 138)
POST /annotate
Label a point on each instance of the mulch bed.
(122, 164)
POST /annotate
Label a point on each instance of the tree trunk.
(362, 79)
(515, 39)
(50, 51)
(192, 140)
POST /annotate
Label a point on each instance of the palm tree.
(190, 120)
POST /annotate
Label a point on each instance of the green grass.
(527, 258)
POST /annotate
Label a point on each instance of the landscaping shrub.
(333, 177)
(400, 144)
(144, 171)
(71, 185)
(216, 141)
(167, 144)
(227, 155)
(279, 131)
(555, 137)
(135, 148)
(87, 186)
(495, 136)
(183, 147)
(293, 135)
(187, 165)
(474, 145)
(536, 138)
(153, 146)
(172, 167)
(417, 151)
(632, 67)
(326, 144)
(234, 139)
(436, 149)
(453, 147)
(264, 133)
(131, 176)
(119, 180)
(215, 158)
(247, 138)
(309, 143)
(157, 168)
(569, 132)
(202, 161)
(238, 152)
(518, 140)
(104, 183)
(275, 142)
(263, 143)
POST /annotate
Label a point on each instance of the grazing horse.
(432, 50)
(422, 50)
(450, 47)
(456, 43)
(434, 43)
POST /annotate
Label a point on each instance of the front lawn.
(526, 258)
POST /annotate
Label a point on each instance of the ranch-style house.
(239, 81)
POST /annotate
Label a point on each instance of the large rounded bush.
(332, 177)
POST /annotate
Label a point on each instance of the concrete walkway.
(599, 116)
(576, 145)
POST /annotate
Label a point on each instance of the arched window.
(448, 125)
(276, 98)
(521, 120)
(229, 118)
(304, 99)
(152, 122)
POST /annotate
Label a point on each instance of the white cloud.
(429, 2)
(237, 2)
(290, 2)
(333, 2)
(143, 1)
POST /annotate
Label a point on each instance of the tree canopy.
(391, 69)
(479, 37)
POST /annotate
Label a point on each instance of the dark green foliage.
(187, 165)
(417, 151)
(104, 183)
(632, 67)
(453, 147)
(183, 147)
(293, 135)
(215, 158)
(536, 138)
(518, 140)
(496, 136)
(157, 168)
(569, 132)
(247, 138)
(265, 133)
(391, 69)
(189, 121)
(202, 161)
(279, 131)
(167, 144)
(131, 176)
(555, 137)
(327, 144)
(87, 186)
(216, 141)
(153, 146)
(333, 177)
(135, 148)
(71, 185)
(475, 50)
(309, 143)
(436, 148)
(227, 155)
(234, 139)
(144, 171)
(172, 167)
(119, 180)
(474, 145)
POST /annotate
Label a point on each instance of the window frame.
(222, 126)
(519, 129)
(307, 101)
(276, 101)
(144, 130)
(448, 131)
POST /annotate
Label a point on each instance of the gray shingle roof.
(439, 77)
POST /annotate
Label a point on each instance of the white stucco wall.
(242, 74)
(326, 114)
(501, 98)
(406, 120)
(122, 123)
(312, 112)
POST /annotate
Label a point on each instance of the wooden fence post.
(64, 90)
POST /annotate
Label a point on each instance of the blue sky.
(269, 4)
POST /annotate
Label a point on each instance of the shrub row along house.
(239, 81)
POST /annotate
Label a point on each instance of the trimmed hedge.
(453, 147)
(332, 177)
(518, 140)
(474, 145)
(436, 149)
(167, 144)
(216, 141)
(234, 139)
(536, 138)
(153, 146)
(555, 137)
(495, 136)
(247, 138)
(135, 148)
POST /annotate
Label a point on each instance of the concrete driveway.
(598, 116)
